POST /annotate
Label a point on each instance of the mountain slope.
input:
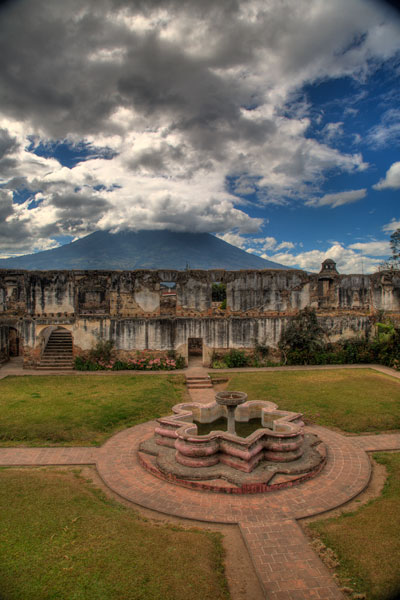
(129, 250)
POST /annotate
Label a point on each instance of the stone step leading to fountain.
(200, 382)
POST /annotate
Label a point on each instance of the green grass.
(352, 400)
(60, 539)
(80, 410)
(367, 542)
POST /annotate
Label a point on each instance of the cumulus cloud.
(255, 245)
(372, 248)
(332, 130)
(388, 131)
(392, 226)
(187, 95)
(338, 199)
(19, 235)
(233, 238)
(347, 259)
(391, 179)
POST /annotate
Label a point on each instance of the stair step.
(61, 351)
(56, 348)
(199, 387)
(57, 336)
(56, 365)
(54, 368)
(58, 353)
(48, 359)
(57, 356)
(52, 358)
(60, 335)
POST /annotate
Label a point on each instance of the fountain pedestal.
(231, 400)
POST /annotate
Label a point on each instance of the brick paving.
(287, 567)
(47, 456)
(345, 475)
(286, 564)
(376, 443)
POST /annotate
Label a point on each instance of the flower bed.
(141, 362)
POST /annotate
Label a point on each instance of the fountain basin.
(244, 454)
(278, 448)
(279, 438)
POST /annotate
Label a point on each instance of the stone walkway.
(35, 457)
(287, 567)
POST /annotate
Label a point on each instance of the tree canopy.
(394, 260)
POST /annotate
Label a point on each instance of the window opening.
(167, 297)
(218, 295)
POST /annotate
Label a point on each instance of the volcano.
(130, 250)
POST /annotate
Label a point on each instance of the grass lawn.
(79, 409)
(62, 539)
(367, 542)
(352, 400)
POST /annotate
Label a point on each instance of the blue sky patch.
(67, 153)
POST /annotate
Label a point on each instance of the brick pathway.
(376, 443)
(287, 567)
(285, 562)
(47, 456)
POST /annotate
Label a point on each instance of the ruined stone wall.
(161, 310)
(269, 291)
(4, 343)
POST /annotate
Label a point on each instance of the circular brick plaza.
(346, 474)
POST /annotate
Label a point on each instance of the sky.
(273, 124)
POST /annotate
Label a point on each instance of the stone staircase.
(58, 353)
(199, 382)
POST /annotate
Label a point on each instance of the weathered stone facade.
(139, 311)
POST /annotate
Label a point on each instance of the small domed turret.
(328, 267)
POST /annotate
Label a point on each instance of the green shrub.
(236, 358)
(302, 337)
(349, 352)
(262, 350)
(83, 364)
(180, 362)
(103, 351)
(387, 346)
(120, 365)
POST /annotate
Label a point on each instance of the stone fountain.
(231, 400)
(274, 451)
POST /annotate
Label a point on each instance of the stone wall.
(4, 344)
(132, 309)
